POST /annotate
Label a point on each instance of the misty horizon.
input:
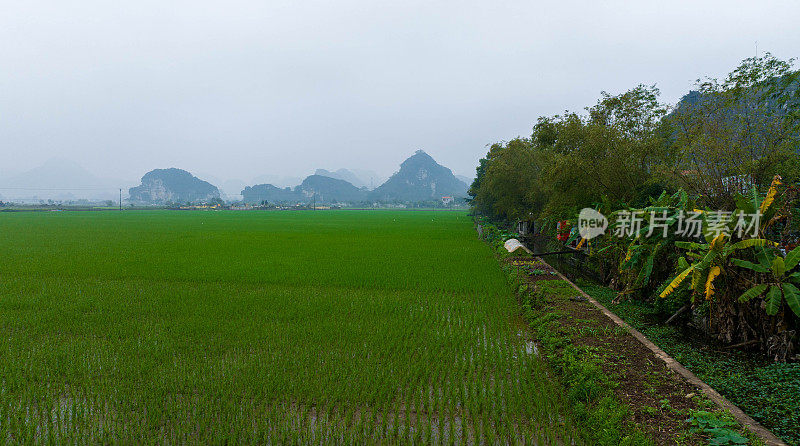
(64, 179)
(239, 91)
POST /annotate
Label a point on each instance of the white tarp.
(513, 244)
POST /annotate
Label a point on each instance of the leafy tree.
(739, 132)
(506, 182)
(572, 161)
(614, 152)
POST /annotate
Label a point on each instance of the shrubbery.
(732, 146)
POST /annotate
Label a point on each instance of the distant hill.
(270, 194)
(58, 179)
(343, 174)
(466, 180)
(319, 188)
(420, 178)
(161, 186)
(330, 190)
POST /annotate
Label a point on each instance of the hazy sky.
(244, 88)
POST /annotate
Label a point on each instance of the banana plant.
(782, 284)
(763, 205)
(710, 258)
(643, 251)
(710, 261)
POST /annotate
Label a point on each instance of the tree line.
(628, 148)
(727, 150)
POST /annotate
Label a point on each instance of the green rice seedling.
(262, 327)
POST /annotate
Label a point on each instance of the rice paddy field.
(270, 327)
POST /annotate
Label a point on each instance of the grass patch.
(590, 390)
(768, 392)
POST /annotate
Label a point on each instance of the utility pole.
(120, 199)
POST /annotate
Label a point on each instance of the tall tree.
(732, 134)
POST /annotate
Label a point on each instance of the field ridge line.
(752, 425)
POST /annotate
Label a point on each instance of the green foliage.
(505, 186)
(711, 261)
(718, 430)
(780, 287)
(652, 243)
(720, 149)
(727, 136)
(495, 235)
(766, 391)
(573, 161)
(589, 388)
(746, 127)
